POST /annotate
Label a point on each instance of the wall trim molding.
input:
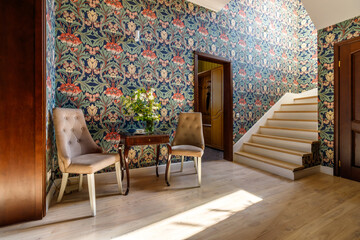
(327, 170)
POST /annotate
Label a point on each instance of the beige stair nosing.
(285, 138)
(298, 120)
(301, 98)
(298, 104)
(278, 149)
(271, 161)
(291, 129)
(295, 111)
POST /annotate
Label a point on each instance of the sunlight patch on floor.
(193, 221)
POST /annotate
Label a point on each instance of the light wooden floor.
(234, 202)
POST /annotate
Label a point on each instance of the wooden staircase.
(287, 145)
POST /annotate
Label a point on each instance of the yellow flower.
(191, 7)
(92, 62)
(330, 116)
(132, 69)
(92, 16)
(330, 154)
(164, 35)
(163, 73)
(330, 38)
(164, 112)
(132, 154)
(329, 77)
(132, 26)
(92, 110)
(163, 151)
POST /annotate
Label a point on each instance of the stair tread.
(291, 166)
(284, 138)
(297, 104)
(298, 120)
(308, 97)
(291, 129)
(284, 150)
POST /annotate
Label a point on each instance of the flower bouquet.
(142, 105)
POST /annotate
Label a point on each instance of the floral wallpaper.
(327, 38)
(270, 42)
(50, 84)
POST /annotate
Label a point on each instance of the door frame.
(337, 99)
(228, 97)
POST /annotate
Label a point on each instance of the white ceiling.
(325, 13)
(215, 5)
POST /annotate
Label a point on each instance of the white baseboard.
(327, 170)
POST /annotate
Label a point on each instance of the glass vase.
(149, 126)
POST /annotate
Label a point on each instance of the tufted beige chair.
(78, 153)
(189, 140)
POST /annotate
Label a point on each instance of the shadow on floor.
(211, 154)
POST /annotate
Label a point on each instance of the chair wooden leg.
(80, 182)
(91, 185)
(195, 164)
(63, 186)
(118, 173)
(199, 170)
(169, 170)
(182, 163)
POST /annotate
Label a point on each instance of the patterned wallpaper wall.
(327, 38)
(50, 84)
(271, 43)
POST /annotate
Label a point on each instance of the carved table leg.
(121, 162)
(167, 173)
(126, 153)
(157, 159)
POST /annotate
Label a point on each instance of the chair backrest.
(72, 136)
(189, 130)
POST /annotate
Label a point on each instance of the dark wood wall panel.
(21, 139)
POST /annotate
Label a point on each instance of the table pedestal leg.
(126, 153)
(157, 159)
(167, 173)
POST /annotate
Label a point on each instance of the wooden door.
(349, 111)
(217, 108)
(205, 104)
(22, 108)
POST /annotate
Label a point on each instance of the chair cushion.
(187, 150)
(90, 163)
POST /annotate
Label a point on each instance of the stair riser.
(299, 107)
(265, 166)
(273, 154)
(308, 100)
(297, 146)
(290, 133)
(307, 116)
(293, 124)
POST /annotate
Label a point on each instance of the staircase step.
(306, 115)
(283, 154)
(299, 107)
(293, 123)
(309, 99)
(309, 134)
(271, 161)
(297, 144)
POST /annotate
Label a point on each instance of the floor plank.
(316, 207)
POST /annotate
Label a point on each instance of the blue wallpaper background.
(272, 44)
